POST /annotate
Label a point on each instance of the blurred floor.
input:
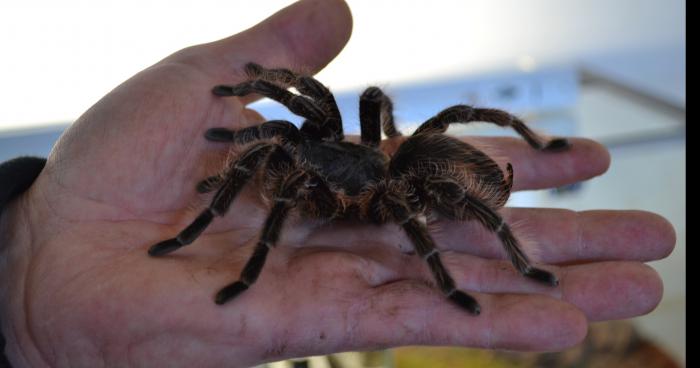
(615, 344)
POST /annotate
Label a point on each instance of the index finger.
(535, 169)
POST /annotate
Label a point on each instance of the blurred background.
(612, 71)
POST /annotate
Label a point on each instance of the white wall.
(60, 57)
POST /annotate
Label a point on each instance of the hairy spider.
(314, 170)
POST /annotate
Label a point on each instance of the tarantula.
(314, 170)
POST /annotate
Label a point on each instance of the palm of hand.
(128, 182)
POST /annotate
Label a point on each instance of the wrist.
(15, 255)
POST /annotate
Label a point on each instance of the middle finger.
(552, 236)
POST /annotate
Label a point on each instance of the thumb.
(304, 37)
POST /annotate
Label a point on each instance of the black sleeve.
(16, 176)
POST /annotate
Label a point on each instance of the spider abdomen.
(429, 158)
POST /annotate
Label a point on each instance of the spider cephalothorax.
(313, 170)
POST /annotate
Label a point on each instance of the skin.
(78, 288)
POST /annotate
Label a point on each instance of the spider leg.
(474, 208)
(370, 118)
(466, 114)
(391, 203)
(452, 198)
(300, 105)
(283, 129)
(267, 130)
(426, 249)
(460, 182)
(284, 200)
(376, 113)
(376, 109)
(308, 86)
(237, 176)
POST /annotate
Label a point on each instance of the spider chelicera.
(314, 170)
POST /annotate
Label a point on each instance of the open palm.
(123, 176)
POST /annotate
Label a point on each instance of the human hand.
(79, 289)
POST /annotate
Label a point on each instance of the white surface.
(60, 57)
